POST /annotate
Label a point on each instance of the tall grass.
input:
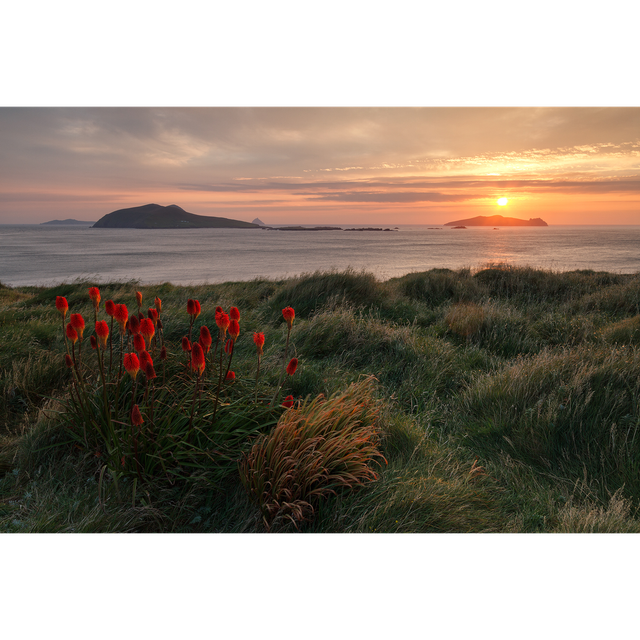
(507, 399)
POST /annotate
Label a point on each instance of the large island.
(497, 221)
(155, 216)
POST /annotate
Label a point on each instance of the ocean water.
(48, 255)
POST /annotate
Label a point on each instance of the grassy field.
(502, 400)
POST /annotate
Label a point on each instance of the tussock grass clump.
(465, 319)
(625, 331)
(310, 292)
(317, 449)
(439, 285)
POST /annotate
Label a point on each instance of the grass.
(506, 400)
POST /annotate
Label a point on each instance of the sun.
(502, 201)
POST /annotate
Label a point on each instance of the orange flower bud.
(121, 315)
(153, 316)
(158, 304)
(139, 298)
(110, 308)
(234, 314)
(186, 345)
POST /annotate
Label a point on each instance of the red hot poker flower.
(145, 359)
(68, 361)
(134, 325)
(292, 366)
(197, 358)
(136, 416)
(131, 364)
(222, 320)
(186, 345)
(234, 329)
(288, 314)
(205, 338)
(158, 304)
(110, 308)
(93, 342)
(102, 331)
(153, 316)
(258, 338)
(198, 308)
(77, 322)
(62, 305)
(191, 307)
(138, 343)
(163, 353)
(288, 402)
(228, 347)
(234, 314)
(147, 329)
(149, 371)
(139, 298)
(72, 334)
(230, 376)
(121, 315)
(94, 294)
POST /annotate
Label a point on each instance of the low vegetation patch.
(501, 400)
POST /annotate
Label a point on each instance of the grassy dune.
(503, 400)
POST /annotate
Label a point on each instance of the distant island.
(67, 221)
(497, 221)
(155, 216)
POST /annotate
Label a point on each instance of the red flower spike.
(77, 322)
(62, 305)
(102, 332)
(219, 310)
(72, 334)
(163, 353)
(134, 325)
(234, 314)
(258, 338)
(138, 343)
(292, 366)
(93, 342)
(147, 329)
(139, 298)
(68, 361)
(222, 320)
(205, 339)
(288, 314)
(186, 345)
(158, 304)
(159, 323)
(131, 364)
(145, 359)
(197, 358)
(110, 308)
(94, 294)
(191, 307)
(230, 376)
(228, 347)
(198, 308)
(136, 416)
(234, 329)
(288, 402)
(121, 315)
(149, 371)
(153, 316)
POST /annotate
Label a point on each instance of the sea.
(47, 255)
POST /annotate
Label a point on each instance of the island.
(67, 221)
(155, 216)
(497, 221)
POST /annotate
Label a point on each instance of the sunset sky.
(370, 166)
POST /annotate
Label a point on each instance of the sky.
(323, 165)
